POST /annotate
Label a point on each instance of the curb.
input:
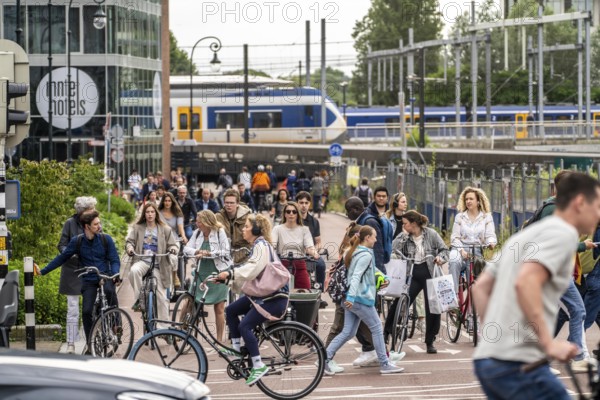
(42, 332)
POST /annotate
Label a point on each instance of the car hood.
(27, 368)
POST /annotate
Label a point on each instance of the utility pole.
(323, 83)
(246, 100)
(307, 53)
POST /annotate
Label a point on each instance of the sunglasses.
(291, 212)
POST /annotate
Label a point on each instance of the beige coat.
(166, 243)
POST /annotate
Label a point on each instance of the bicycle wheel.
(296, 360)
(455, 317)
(400, 325)
(474, 319)
(412, 320)
(158, 348)
(111, 335)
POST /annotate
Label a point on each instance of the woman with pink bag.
(257, 230)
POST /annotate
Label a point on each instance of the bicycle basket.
(306, 305)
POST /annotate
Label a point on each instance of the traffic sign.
(335, 161)
(335, 150)
(117, 155)
(116, 132)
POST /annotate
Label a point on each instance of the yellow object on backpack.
(586, 258)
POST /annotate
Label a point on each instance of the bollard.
(29, 304)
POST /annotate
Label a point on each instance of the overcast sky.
(275, 31)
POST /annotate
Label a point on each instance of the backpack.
(387, 231)
(363, 194)
(338, 282)
(538, 213)
(586, 258)
(80, 239)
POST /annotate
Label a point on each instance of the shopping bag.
(396, 273)
(440, 292)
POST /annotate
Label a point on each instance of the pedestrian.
(316, 184)
(135, 185)
(233, 218)
(364, 192)
(522, 289)
(205, 202)
(261, 185)
(290, 184)
(188, 208)
(70, 284)
(360, 301)
(245, 177)
(276, 213)
(246, 197)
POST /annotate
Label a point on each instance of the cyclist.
(210, 246)
(188, 208)
(95, 251)
(473, 225)
(171, 213)
(316, 184)
(70, 284)
(151, 235)
(394, 214)
(519, 294)
(283, 196)
(293, 237)
(416, 242)
(360, 301)
(303, 200)
(257, 230)
(233, 218)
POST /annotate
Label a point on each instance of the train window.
(308, 111)
(183, 121)
(563, 118)
(235, 120)
(433, 119)
(266, 120)
(504, 118)
(393, 120)
(195, 121)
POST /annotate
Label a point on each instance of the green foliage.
(86, 178)
(386, 22)
(336, 198)
(251, 72)
(50, 306)
(118, 206)
(116, 227)
(180, 62)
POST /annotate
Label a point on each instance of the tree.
(334, 90)
(180, 62)
(253, 72)
(386, 22)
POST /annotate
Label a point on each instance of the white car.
(29, 375)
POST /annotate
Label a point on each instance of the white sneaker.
(554, 371)
(582, 365)
(365, 359)
(70, 348)
(395, 357)
(390, 368)
(331, 368)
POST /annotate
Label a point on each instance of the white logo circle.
(84, 97)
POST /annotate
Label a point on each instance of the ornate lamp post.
(215, 66)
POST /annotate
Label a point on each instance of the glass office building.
(107, 64)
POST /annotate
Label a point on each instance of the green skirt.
(217, 292)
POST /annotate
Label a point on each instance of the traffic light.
(14, 93)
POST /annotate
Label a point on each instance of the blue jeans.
(252, 318)
(457, 264)
(352, 317)
(573, 302)
(504, 380)
(320, 272)
(137, 194)
(189, 231)
(592, 297)
(89, 291)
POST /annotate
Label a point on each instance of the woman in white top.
(210, 247)
(293, 237)
(473, 225)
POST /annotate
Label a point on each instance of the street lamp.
(99, 16)
(344, 85)
(215, 66)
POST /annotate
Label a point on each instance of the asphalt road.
(446, 375)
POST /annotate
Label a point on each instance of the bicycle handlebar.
(403, 257)
(472, 246)
(94, 270)
(290, 257)
(151, 255)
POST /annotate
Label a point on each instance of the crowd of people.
(530, 279)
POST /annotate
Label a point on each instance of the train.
(278, 112)
(440, 122)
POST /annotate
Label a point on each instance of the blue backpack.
(387, 231)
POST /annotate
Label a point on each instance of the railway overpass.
(207, 156)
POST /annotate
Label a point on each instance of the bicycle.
(400, 324)
(465, 315)
(112, 328)
(385, 304)
(147, 300)
(295, 355)
(181, 273)
(311, 268)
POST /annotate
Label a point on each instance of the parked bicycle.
(465, 315)
(402, 324)
(294, 354)
(112, 328)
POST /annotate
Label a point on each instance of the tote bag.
(270, 280)
(396, 273)
(440, 292)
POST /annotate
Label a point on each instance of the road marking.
(416, 349)
(419, 349)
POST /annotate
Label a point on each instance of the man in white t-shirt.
(517, 297)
